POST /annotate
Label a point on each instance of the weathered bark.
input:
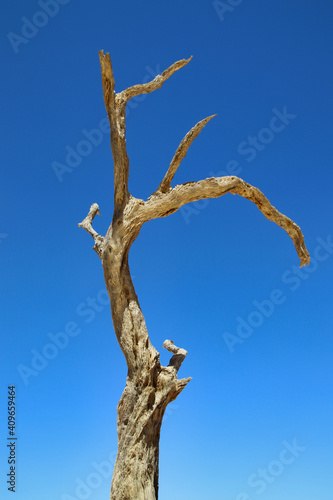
(150, 387)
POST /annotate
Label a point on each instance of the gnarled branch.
(87, 225)
(163, 204)
(181, 153)
(156, 83)
(179, 354)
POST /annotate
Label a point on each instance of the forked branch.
(166, 200)
(115, 105)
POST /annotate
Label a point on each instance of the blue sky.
(216, 277)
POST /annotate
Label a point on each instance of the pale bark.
(150, 387)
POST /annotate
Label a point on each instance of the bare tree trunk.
(140, 412)
(150, 387)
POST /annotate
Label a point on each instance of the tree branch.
(107, 82)
(87, 225)
(161, 205)
(146, 88)
(116, 115)
(179, 354)
(181, 153)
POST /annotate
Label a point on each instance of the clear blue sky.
(218, 279)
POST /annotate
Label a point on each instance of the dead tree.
(150, 387)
